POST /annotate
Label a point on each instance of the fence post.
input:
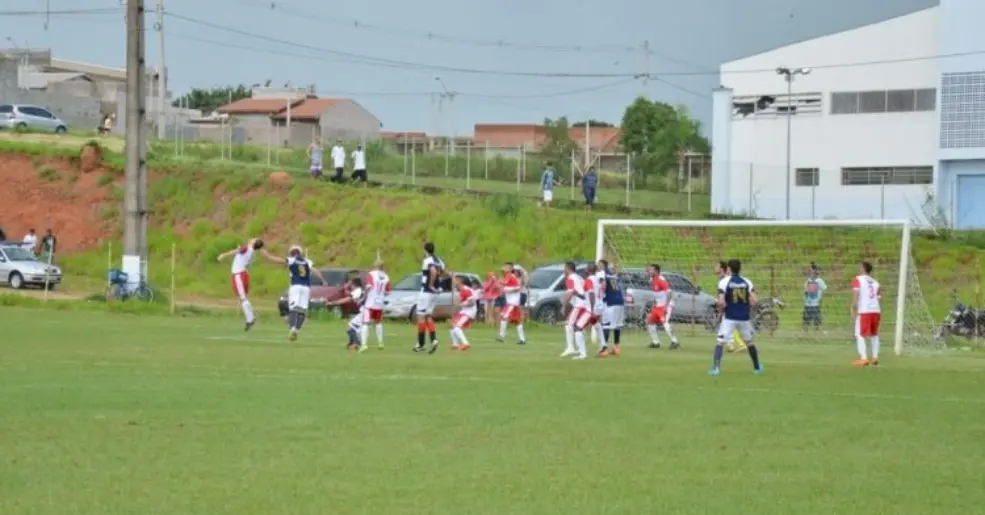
(222, 139)
(174, 261)
(882, 199)
(468, 165)
(447, 156)
(694, 298)
(690, 182)
(629, 175)
(751, 173)
(680, 179)
(571, 186)
(413, 161)
(405, 150)
(978, 299)
(814, 181)
(519, 164)
(485, 158)
(277, 141)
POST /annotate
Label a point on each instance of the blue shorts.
(500, 301)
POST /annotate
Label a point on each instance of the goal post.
(779, 257)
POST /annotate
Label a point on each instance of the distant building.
(509, 138)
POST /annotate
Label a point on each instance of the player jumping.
(661, 311)
(432, 279)
(579, 317)
(736, 297)
(377, 289)
(299, 293)
(242, 259)
(358, 338)
(468, 299)
(512, 312)
(867, 313)
(615, 309)
(593, 287)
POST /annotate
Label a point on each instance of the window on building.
(901, 100)
(773, 106)
(844, 103)
(872, 102)
(807, 176)
(889, 101)
(887, 175)
(926, 99)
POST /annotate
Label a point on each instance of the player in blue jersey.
(299, 293)
(736, 299)
(614, 314)
(434, 281)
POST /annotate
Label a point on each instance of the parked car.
(14, 116)
(691, 305)
(402, 301)
(333, 289)
(19, 268)
(546, 285)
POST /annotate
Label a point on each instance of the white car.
(402, 300)
(20, 116)
(19, 268)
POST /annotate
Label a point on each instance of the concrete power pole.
(646, 68)
(135, 191)
(162, 83)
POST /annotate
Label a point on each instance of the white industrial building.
(887, 122)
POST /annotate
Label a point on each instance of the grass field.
(114, 414)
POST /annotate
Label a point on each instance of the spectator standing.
(316, 158)
(49, 243)
(359, 164)
(490, 295)
(814, 288)
(589, 184)
(31, 241)
(547, 183)
(338, 161)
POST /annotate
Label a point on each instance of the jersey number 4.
(739, 296)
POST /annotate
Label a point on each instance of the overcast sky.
(294, 40)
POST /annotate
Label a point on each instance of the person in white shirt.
(867, 314)
(31, 240)
(359, 164)
(579, 316)
(376, 290)
(243, 257)
(338, 161)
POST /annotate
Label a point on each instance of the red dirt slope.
(72, 210)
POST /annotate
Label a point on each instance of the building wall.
(757, 145)
(349, 121)
(75, 110)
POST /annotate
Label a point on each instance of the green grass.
(113, 414)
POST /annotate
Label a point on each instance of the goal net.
(787, 262)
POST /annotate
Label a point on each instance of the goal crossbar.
(904, 258)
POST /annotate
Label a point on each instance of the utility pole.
(135, 191)
(162, 84)
(646, 68)
(446, 95)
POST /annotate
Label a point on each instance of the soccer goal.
(802, 271)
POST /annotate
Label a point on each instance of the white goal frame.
(904, 258)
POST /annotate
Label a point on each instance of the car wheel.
(21, 126)
(16, 280)
(549, 314)
(61, 129)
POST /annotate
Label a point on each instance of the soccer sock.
(421, 329)
(753, 354)
(353, 337)
(605, 337)
(363, 334)
(292, 318)
(875, 347)
(502, 328)
(580, 343)
(459, 334)
(670, 333)
(300, 319)
(616, 334)
(594, 334)
(600, 334)
(860, 343)
(719, 349)
(454, 337)
(569, 338)
(248, 311)
(519, 333)
(379, 334)
(654, 337)
(432, 331)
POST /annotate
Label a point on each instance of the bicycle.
(119, 290)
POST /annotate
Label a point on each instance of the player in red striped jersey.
(468, 300)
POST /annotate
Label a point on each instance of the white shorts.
(548, 195)
(298, 297)
(579, 318)
(729, 327)
(426, 302)
(614, 317)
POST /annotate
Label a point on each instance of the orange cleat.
(861, 363)
(464, 347)
(602, 353)
(615, 350)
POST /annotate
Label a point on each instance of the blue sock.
(719, 349)
(353, 336)
(753, 355)
(616, 333)
(605, 336)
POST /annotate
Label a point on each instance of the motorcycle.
(766, 317)
(962, 321)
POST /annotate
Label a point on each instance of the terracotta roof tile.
(256, 106)
(309, 109)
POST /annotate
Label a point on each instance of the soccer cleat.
(249, 325)
(379, 346)
(654, 345)
(603, 352)
(568, 353)
(579, 357)
(500, 339)
(455, 346)
(418, 348)
(292, 336)
(715, 371)
(861, 363)
(675, 345)
(521, 342)
(874, 362)
(615, 351)
(464, 347)
(363, 348)
(434, 347)
(759, 370)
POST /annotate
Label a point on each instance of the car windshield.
(411, 282)
(18, 254)
(334, 277)
(543, 279)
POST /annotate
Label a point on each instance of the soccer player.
(578, 317)
(377, 289)
(615, 309)
(867, 314)
(468, 299)
(661, 310)
(242, 259)
(433, 276)
(735, 343)
(736, 297)
(299, 293)
(358, 339)
(512, 312)
(593, 287)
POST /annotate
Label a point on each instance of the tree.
(593, 123)
(656, 133)
(208, 100)
(558, 145)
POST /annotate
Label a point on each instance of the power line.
(64, 12)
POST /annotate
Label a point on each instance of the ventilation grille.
(963, 110)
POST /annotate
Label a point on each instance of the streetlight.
(788, 75)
